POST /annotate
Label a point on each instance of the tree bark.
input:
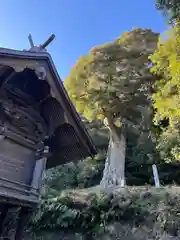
(114, 171)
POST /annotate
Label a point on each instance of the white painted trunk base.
(115, 163)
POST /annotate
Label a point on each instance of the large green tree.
(112, 83)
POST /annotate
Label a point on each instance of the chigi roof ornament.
(40, 71)
(41, 48)
(39, 128)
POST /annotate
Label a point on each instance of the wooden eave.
(15, 58)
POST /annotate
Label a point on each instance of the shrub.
(90, 214)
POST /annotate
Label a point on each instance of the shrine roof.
(84, 146)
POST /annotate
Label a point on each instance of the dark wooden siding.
(16, 161)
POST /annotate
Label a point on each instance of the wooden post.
(156, 176)
(48, 41)
(38, 170)
(9, 221)
(26, 212)
(31, 41)
(42, 46)
(24, 217)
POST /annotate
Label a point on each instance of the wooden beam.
(31, 41)
(47, 42)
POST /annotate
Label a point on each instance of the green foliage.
(99, 134)
(140, 155)
(100, 85)
(109, 82)
(166, 97)
(92, 213)
(91, 171)
(166, 65)
(113, 82)
(84, 174)
(63, 177)
(170, 8)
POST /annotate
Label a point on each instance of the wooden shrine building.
(39, 128)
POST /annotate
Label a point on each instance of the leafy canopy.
(167, 65)
(170, 8)
(109, 82)
(166, 98)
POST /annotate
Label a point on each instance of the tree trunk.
(115, 161)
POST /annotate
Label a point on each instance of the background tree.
(110, 84)
(170, 8)
(166, 65)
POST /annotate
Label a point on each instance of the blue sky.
(77, 24)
